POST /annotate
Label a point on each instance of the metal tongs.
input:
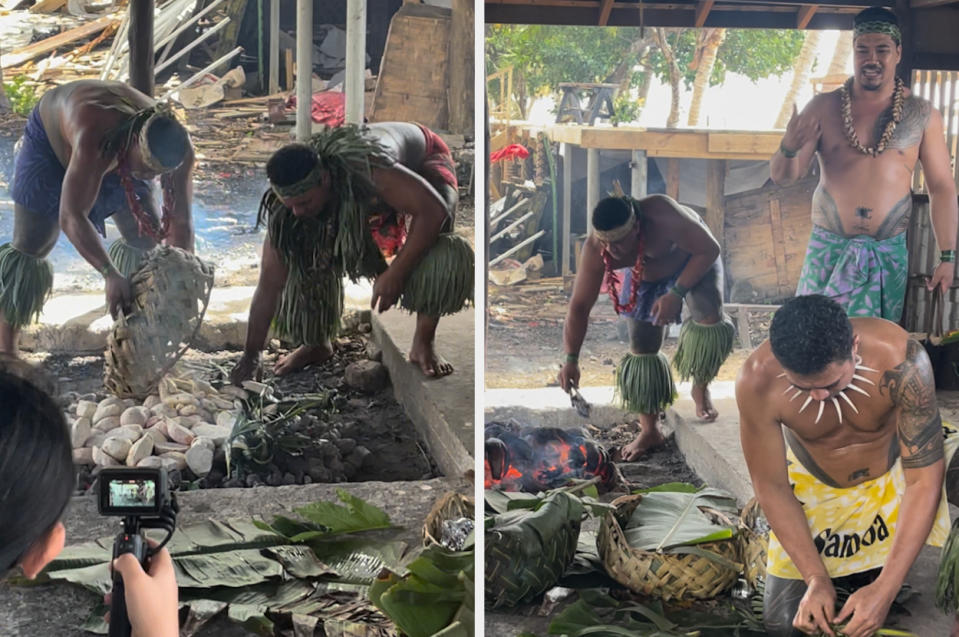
(578, 402)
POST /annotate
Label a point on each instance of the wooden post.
(140, 40)
(592, 183)
(304, 69)
(672, 178)
(460, 69)
(637, 186)
(715, 199)
(288, 67)
(566, 152)
(355, 60)
(274, 47)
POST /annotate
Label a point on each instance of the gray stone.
(373, 352)
(116, 447)
(129, 432)
(107, 409)
(177, 457)
(345, 445)
(86, 409)
(151, 462)
(107, 424)
(151, 400)
(366, 376)
(83, 456)
(80, 431)
(96, 439)
(134, 416)
(157, 435)
(141, 449)
(178, 433)
(217, 434)
(199, 457)
(167, 447)
(103, 459)
(226, 419)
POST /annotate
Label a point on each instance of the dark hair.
(876, 14)
(611, 212)
(168, 141)
(810, 332)
(290, 164)
(37, 476)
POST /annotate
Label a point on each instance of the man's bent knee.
(780, 604)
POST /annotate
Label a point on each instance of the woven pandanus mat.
(171, 292)
(754, 542)
(450, 506)
(662, 574)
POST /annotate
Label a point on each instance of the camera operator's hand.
(151, 596)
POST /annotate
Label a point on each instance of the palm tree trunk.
(674, 76)
(801, 69)
(712, 40)
(840, 57)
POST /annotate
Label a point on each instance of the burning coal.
(531, 459)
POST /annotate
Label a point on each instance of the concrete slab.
(441, 408)
(57, 609)
(79, 322)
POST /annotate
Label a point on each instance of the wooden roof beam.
(806, 12)
(604, 11)
(702, 12)
(926, 4)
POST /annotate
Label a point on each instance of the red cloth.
(389, 229)
(328, 107)
(513, 151)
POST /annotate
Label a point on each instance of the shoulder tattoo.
(909, 130)
(911, 386)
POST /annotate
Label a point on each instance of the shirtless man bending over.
(846, 451)
(89, 151)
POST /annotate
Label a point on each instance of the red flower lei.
(635, 279)
(146, 225)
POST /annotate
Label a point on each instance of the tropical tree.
(801, 70)
(703, 62)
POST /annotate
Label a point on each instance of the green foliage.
(755, 53)
(543, 56)
(23, 97)
(626, 108)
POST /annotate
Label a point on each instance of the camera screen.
(133, 493)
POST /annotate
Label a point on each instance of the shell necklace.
(849, 127)
(842, 394)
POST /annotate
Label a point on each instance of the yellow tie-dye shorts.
(853, 527)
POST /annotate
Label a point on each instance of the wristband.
(788, 154)
(679, 290)
(572, 358)
(947, 256)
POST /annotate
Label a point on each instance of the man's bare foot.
(649, 438)
(301, 357)
(8, 338)
(430, 362)
(704, 406)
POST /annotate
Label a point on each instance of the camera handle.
(128, 541)
(132, 541)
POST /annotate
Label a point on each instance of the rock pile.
(182, 427)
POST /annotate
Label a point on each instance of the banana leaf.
(326, 518)
(432, 597)
(665, 519)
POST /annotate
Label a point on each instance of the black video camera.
(142, 498)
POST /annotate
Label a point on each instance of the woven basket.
(663, 575)
(171, 291)
(451, 506)
(753, 544)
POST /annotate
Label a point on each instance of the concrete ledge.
(440, 408)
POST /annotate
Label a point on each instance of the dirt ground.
(524, 338)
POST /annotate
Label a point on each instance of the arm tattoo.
(911, 386)
(825, 212)
(909, 130)
(897, 220)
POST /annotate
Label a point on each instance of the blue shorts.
(38, 179)
(649, 291)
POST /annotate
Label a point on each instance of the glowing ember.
(534, 459)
